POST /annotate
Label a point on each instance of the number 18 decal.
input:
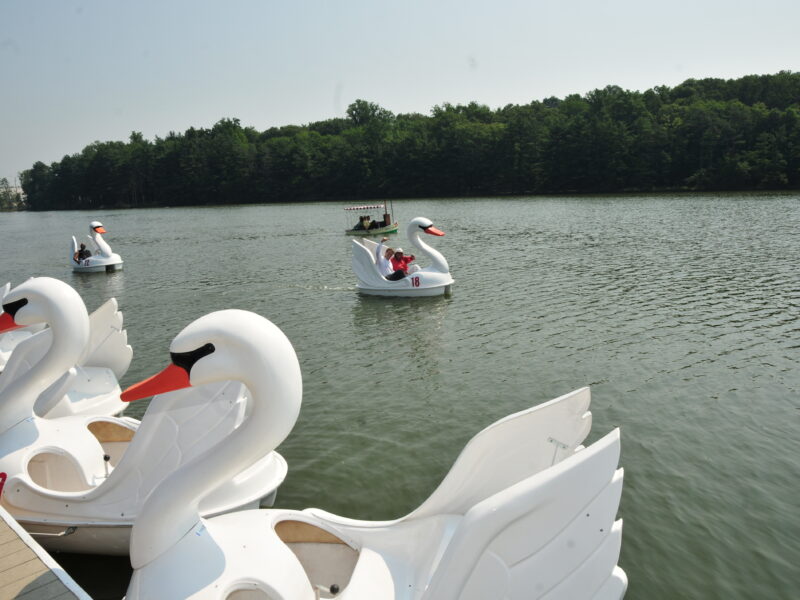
(415, 281)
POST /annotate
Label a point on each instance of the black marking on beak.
(12, 307)
(186, 360)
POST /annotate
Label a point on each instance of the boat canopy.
(364, 207)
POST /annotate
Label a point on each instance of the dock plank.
(44, 586)
(27, 571)
(8, 548)
(50, 591)
(30, 569)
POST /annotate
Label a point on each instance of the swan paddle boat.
(77, 482)
(90, 384)
(101, 259)
(525, 512)
(433, 280)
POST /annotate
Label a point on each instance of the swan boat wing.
(553, 535)
(510, 450)
(108, 341)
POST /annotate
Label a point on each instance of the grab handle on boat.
(558, 445)
(66, 532)
(332, 589)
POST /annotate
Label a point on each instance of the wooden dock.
(27, 571)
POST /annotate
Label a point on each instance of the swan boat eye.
(12, 307)
(186, 360)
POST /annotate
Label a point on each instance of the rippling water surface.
(680, 312)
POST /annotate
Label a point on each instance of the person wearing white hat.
(400, 262)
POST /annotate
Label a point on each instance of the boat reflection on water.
(415, 325)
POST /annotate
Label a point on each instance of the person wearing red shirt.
(400, 261)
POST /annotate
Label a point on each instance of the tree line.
(10, 198)
(709, 134)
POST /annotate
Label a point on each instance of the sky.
(75, 72)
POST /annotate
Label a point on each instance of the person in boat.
(383, 260)
(81, 254)
(400, 262)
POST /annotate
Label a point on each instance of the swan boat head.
(96, 227)
(226, 345)
(96, 230)
(37, 301)
(425, 225)
(14, 335)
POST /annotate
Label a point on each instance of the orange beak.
(7, 322)
(100, 229)
(433, 231)
(170, 379)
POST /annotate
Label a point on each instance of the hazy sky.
(74, 72)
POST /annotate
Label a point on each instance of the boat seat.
(371, 578)
(326, 558)
(57, 471)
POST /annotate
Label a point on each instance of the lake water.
(681, 312)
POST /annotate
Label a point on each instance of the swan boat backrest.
(518, 446)
(364, 263)
(569, 511)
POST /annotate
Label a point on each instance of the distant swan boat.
(433, 280)
(102, 259)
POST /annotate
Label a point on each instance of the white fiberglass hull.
(58, 533)
(89, 266)
(439, 290)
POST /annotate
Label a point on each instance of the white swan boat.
(90, 385)
(525, 512)
(102, 258)
(433, 280)
(77, 482)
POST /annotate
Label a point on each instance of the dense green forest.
(709, 134)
